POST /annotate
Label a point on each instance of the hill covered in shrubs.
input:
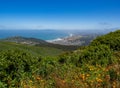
(93, 66)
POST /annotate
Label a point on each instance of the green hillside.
(36, 50)
(112, 40)
(93, 66)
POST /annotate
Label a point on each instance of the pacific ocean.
(40, 34)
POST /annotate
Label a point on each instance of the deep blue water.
(40, 34)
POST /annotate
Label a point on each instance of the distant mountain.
(24, 40)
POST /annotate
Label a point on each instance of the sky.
(59, 14)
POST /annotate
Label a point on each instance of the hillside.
(35, 50)
(23, 40)
(39, 42)
(93, 66)
(112, 40)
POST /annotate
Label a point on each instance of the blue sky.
(59, 14)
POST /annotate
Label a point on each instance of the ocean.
(40, 34)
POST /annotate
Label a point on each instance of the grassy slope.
(43, 51)
(95, 66)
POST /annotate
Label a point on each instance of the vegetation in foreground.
(93, 66)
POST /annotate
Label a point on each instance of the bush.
(100, 54)
(13, 64)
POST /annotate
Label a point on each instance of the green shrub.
(13, 64)
(46, 67)
(100, 54)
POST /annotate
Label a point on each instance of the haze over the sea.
(59, 14)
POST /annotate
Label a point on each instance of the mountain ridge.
(38, 42)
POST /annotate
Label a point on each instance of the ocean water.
(40, 34)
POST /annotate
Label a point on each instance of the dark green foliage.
(14, 63)
(46, 67)
(63, 58)
(113, 74)
(68, 58)
(62, 47)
